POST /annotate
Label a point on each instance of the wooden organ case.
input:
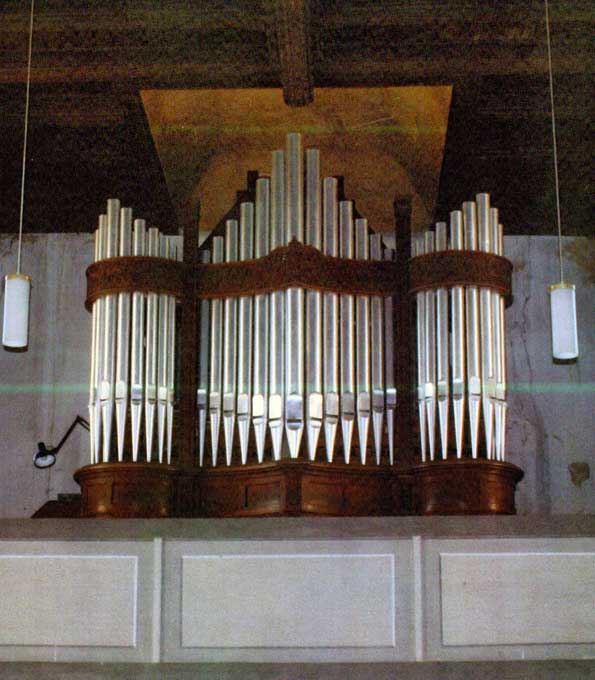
(272, 370)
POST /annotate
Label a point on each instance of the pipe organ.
(259, 375)
(461, 346)
(295, 362)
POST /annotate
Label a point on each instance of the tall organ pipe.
(244, 400)
(390, 389)
(216, 358)
(151, 351)
(418, 246)
(109, 335)
(346, 245)
(202, 392)
(430, 358)
(137, 378)
(162, 352)
(123, 336)
(294, 301)
(377, 355)
(331, 321)
(488, 387)
(277, 309)
(230, 345)
(362, 362)
(260, 392)
(171, 361)
(501, 387)
(473, 331)
(442, 372)
(314, 398)
(457, 321)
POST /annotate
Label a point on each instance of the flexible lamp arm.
(45, 457)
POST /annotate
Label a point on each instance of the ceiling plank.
(289, 36)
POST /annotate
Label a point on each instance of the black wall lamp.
(45, 458)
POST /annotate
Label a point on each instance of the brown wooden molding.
(134, 274)
(465, 487)
(450, 268)
(295, 266)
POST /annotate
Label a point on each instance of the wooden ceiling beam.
(290, 43)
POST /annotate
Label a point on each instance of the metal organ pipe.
(488, 385)
(377, 358)
(442, 367)
(314, 398)
(470, 365)
(390, 389)
(260, 394)
(362, 362)
(473, 332)
(230, 345)
(294, 301)
(203, 366)
(277, 309)
(244, 389)
(457, 322)
(216, 358)
(347, 342)
(331, 320)
(123, 336)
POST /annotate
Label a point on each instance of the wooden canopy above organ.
(271, 371)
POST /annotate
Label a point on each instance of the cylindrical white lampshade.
(16, 310)
(564, 334)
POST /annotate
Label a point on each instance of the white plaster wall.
(551, 406)
(44, 388)
(550, 425)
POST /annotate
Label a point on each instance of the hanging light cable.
(562, 294)
(18, 285)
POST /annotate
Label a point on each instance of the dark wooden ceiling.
(89, 137)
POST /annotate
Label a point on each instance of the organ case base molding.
(449, 487)
(128, 490)
(465, 487)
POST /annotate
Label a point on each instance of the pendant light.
(562, 294)
(17, 286)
